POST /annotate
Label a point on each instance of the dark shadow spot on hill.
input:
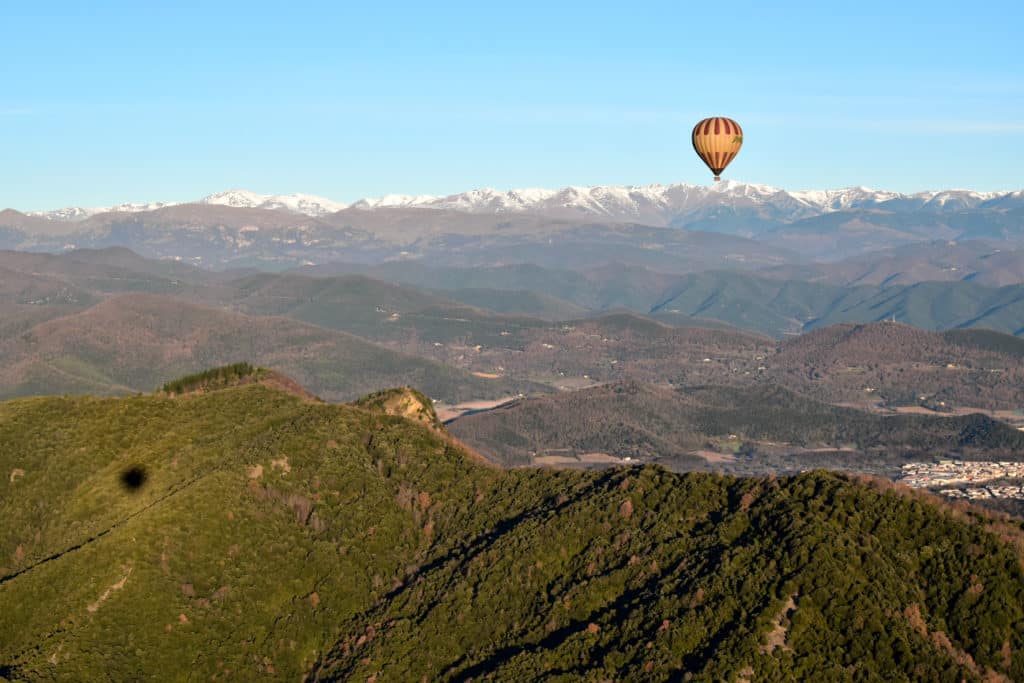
(134, 478)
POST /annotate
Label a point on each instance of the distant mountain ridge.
(650, 204)
(678, 228)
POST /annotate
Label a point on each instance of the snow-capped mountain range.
(655, 204)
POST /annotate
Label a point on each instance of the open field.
(446, 412)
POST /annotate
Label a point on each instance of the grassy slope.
(275, 536)
(235, 554)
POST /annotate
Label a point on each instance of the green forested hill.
(245, 534)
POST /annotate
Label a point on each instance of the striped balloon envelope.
(717, 141)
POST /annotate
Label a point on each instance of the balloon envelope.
(717, 141)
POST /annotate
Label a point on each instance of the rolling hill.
(682, 426)
(27, 299)
(372, 309)
(114, 269)
(524, 350)
(267, 536)
(901, 365)
(874, 366)
(483, 302)
(522, 303)
(611, 286)
(137, 342)
(776, 302)
(623, 345)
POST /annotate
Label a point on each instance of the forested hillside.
(269, 536)
(137, 342)
(685, 425)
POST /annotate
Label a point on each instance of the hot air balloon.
(717, 141)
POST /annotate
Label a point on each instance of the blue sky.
(108, 102)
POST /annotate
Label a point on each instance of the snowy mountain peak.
(650, 204)
(71, 213)
(237, 198)
(297, 203)
(392, 200)
(77, 213)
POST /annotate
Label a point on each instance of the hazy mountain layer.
(993, 264)
(781, 301)
(781, 307)
(512, 352)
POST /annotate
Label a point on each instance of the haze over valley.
(592, 346)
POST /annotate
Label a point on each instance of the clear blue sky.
(108, 102)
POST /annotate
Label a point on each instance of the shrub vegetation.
(276, 537)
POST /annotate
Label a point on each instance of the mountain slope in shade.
(936, 306)
(993, 264)
(787, 307)
(271, 537)
(843, 233)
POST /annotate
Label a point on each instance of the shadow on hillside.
(134, 478)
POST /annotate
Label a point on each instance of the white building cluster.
(945, 474)
(982, 492)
